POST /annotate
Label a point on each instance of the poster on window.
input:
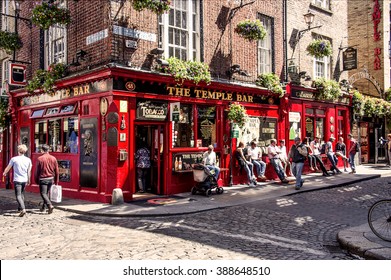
(64, 170)
(294, 125)
(250, 130)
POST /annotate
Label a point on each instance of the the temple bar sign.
(349, 59)
(17, 74)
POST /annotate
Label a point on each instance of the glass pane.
(320, 112)
(178, 53)
(37, 113)
(40, 131)
(267, 131)
(309, 111)
(183, 128)
(171, 18)
(183, 39)
(70, 136)
(206, 128)
(183, 54)
(177, 18)
(320, 127)
(184, 20)
(177, 38)
(309, 128)
(54, 139)
(170, 36)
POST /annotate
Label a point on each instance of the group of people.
(283, 162)
(47, 174)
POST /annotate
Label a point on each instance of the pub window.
(183, 127)
(52, 111)
(267, 131)
(37, 113)
(54, 131)
(40, 133)
(70, 135)
(206, 126)
(309, 111)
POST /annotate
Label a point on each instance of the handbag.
(56, 193)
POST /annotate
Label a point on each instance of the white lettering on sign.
(133, 33)
(97, 36)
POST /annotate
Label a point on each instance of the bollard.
(117, 197)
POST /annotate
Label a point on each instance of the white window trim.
(5, 9)
(326, 61)
(269, 49)
(4, 74)
(325, 4)
(190, 32)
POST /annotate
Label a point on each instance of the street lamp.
(309, 19)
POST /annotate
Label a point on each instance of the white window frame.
(56, 36)
(191, 51)
(265, 50)
(4, 74)
(324, 64)
(325, 4)
(5, 21)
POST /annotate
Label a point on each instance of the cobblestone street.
(301, 226)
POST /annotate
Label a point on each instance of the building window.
(183, 128)
(179, 30)
(325, 4)
(265, 46)
(4, 75)
(5, 21)
(206, 126)
(321, 67)
(55, 42)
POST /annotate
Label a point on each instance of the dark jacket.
(299, 153)
(47, 167)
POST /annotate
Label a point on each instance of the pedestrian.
(22, 176)
(143, 164)
(209, 160)
(245, 164)
(298, 154)
(284, 157)
(389, 148)
(331, 156)
(310, 156)
(340, 151)
(274, 155)
(315, 144)
(46, 175)
(354, 148)
(255, 156)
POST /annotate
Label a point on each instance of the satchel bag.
(56, 193)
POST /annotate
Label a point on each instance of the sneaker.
(50, 211)
(301, 183)
(339, 172)
(285, 181)
(312, 169)
(345, 170)
(297, 188)
(22, 213)
(352, 172)
(326, 174)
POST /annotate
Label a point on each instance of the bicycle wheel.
(379, 219)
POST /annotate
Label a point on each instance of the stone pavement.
(359, 240)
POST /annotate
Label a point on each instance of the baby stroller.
(204, 181)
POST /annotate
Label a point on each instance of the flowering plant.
(387, 94)
(327, 89)
(320, 48)
(48, 14)
(251, 29)
(5, 116)
(45, 79)
(157, 6)
(237, 114)
(9, 41)
(272, 82)
(187, 70)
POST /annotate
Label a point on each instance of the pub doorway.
(151, 137)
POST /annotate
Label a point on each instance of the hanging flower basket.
(237, 114)
(5, 114)
(46, 79)
(320, 48)
(49, 14)
(251, 30)
(9, 41)
(272, 82)
(327, 89)
(156, 6)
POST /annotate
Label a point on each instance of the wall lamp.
(236, 69)
(80, 55)
(303, 75)
(309, 19)
(163, 63)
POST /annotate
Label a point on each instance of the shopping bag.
(56, 193)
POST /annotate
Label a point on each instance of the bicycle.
(379, 219)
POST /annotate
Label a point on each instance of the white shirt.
(254, 153)
(283, 154)
(273, 152)
(209, 158)
(21, 165)
(315, 148)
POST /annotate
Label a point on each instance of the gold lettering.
(229, 96)
(67, 92)
(81, 90)
(204, 94)
(179, 91)
(187, 92)
(170, 90)
(218, 95)
(75, 91)
(197, 92)
(250, 98)
(86, 89)
(238, 97)
(211, 95)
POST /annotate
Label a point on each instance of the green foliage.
(9, 41)
(156, 6)
(5, 115)
(272, 82)
(187, 70)
(237, 114)
(327, 89)
(251, 29)
(49, 14)
(370, 106)
(320, 48)
(387, 94)
(357, 101)
(45, 79)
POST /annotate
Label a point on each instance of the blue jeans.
(215, 169)
(334, 161)
(142, 178)
(297, 169)
(276, 162)
(351, 161)
(19, 193)
(260, 166)
(44, 188)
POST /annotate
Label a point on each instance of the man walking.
(45, 175)
(22, 174)
(298, 153)
(352, 152)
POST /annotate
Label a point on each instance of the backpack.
(357, 147)
(322, 148)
